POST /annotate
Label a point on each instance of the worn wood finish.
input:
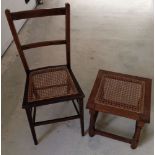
(30, 107)
(104, 106)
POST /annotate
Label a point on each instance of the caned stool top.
(121, 94)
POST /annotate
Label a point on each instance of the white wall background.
(13, 5)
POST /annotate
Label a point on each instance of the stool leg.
(136, 137)
(29, 116)
(93, 117)
(81, 115)
(96, 114)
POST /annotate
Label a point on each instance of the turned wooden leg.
(93, 117)
(136, 137)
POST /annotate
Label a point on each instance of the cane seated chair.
(52, 84)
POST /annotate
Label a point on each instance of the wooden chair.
(52, 84)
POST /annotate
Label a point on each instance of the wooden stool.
(122, 95)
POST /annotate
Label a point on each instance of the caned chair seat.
(50, 83)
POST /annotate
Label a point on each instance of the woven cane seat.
(121, 94)
(50, 83)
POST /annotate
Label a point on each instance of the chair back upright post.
(16, 39)
(11, 16)
(68, 35)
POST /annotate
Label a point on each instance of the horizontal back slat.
(38, 13)
(45, 43)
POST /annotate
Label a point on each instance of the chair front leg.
(30, 120)
(80, 101)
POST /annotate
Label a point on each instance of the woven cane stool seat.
(121, 92)
(122, 95)
(50, 83)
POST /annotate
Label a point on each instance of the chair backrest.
(11, 16)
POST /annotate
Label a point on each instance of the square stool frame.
(94, 107)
